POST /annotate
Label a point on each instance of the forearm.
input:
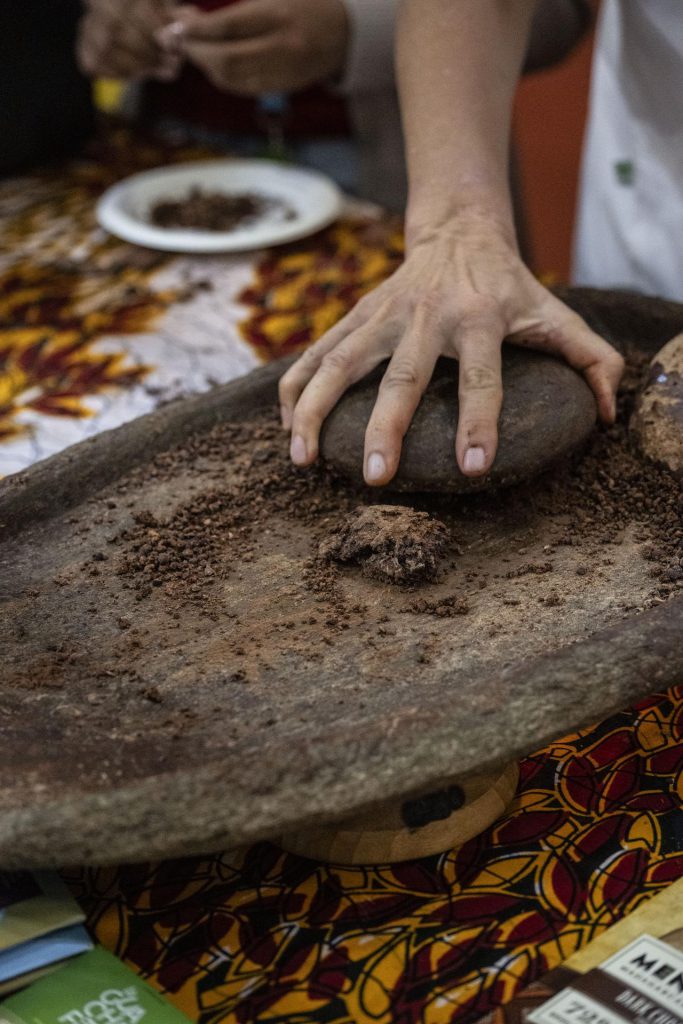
(458, 63)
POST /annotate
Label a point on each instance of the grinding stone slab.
(548, 412)
(93, 768)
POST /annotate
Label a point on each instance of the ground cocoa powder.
(609, 488)
(188, 599)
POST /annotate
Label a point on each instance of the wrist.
(477, 197)
(484, 218)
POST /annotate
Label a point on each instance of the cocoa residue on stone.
(530, 568)
(612, 488)
(445, 608)
(609, 492)
(215, 531)
(390, 543)
(217, 541)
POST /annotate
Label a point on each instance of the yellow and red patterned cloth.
(262, 935)
(94, 332)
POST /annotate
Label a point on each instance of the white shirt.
(630, 218)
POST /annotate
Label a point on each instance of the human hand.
(116, 39)
(261, 46)
(462, 290)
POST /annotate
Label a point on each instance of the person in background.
(207, 68)
(630, 217)
(46, 110)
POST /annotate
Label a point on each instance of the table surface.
(94, 332)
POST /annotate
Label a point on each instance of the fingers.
(234, 46)
(243, 67)
(311, 388)
(113, 46)
(480, 393)
(293, 382)
(133, 23)
(118, 61)
(400, 391)
(604, 377)
(244, 20)
(571, 337)
(341, 366)
(601, 365)
(168, 68)
(169, 38)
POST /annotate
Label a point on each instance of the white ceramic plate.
(124, 209)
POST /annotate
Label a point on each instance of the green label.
(95, 988)
(625, 172)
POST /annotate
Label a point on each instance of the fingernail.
(170, 36)
(286, 417)
(376, 467)
(297, 450)
(475, 460)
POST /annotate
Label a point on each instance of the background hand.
(117, 39)
(460, 292)
(260, 46)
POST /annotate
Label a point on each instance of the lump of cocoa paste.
(391, 543)
(657, 422)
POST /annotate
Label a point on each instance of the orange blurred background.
(550, 114)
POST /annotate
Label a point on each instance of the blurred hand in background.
(117, 39)
(261, 46)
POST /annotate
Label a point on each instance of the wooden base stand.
(404, 830)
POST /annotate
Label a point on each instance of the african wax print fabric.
(94, 331)
(261, 935)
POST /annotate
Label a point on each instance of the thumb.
(242, 20)
(170, 36)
